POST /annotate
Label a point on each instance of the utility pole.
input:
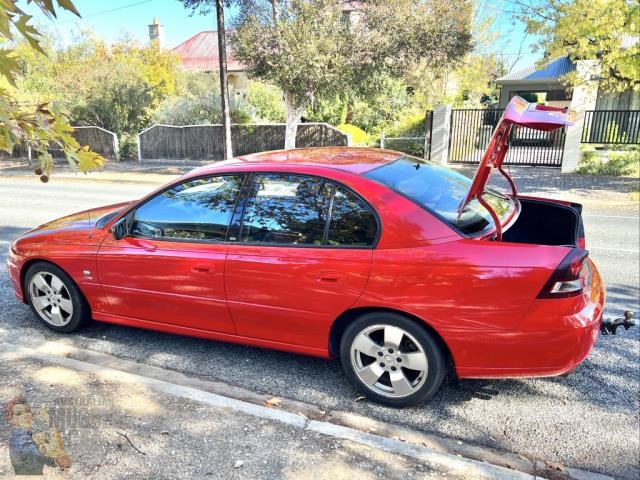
(224, 87)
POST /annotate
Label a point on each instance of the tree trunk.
(275, 11)
(294, 114)
(224, 87)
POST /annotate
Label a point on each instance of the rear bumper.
(555, 336)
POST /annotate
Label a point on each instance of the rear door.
(170, 269)
(302, 257)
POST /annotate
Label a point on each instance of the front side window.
(198, 209)
(286, 209)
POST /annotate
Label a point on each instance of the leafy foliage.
(116, 86)
(319, 56)
(379, 103)
(405, 33)
(266, 102)
(617, 164)
(358, 136)
(306, 52)
(128, 147)
(39, 124)
(475, 78)
(591, 29)
(197, 101)
(332, 109)
(409, 126)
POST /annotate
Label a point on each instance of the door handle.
(329, 277)
(203, 268)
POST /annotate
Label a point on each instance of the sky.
(112, 19)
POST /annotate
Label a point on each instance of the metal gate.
(471, 130)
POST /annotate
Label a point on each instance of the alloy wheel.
(51, 298)
(389, 360)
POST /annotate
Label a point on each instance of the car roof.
(350, 159)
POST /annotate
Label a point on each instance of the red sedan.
(402, 268)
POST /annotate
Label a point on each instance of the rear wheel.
(55, 298)
(392, 359)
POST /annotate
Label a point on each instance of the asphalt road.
(588, 420)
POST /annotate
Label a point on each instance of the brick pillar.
(440, 134)
(584, 98)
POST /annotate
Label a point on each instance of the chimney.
(156, 34)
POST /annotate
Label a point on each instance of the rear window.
(441, 191)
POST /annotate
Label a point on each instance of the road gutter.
(442, 454)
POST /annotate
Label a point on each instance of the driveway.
(588, 420)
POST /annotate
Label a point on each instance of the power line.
(488, 54)
(103, 12)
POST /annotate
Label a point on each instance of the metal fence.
(471, 130)
(419, 146)
(205, 142)
(611, 127)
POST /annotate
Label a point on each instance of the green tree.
(311, 50)
(117, 86)
(37, 124)
(303, 47)
(591, 29)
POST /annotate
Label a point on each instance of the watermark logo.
(36, 437)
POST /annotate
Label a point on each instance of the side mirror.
(120, 229)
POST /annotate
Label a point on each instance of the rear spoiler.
(518, 112)
(538, 117)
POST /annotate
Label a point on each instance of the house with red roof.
(200, 54)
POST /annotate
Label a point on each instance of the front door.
(302, 258)
(170, 269)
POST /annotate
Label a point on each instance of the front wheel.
(391, 359)
(55, 298)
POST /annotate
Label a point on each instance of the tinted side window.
(286, 209)
(199, 209)
(352, 221)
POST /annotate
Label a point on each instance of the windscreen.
(441, 190)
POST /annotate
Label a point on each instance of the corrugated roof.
(552, 72)
(200, 52)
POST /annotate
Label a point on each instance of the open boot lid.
(518, 112)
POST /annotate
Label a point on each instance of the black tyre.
(392, 359)
(55, 298)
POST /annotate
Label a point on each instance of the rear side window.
(303, 210)
(289, 209)
(441, 190)
(352, 221)
(198, 209)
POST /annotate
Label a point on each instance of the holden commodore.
(402, 268)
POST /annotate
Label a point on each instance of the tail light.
(571, 278)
